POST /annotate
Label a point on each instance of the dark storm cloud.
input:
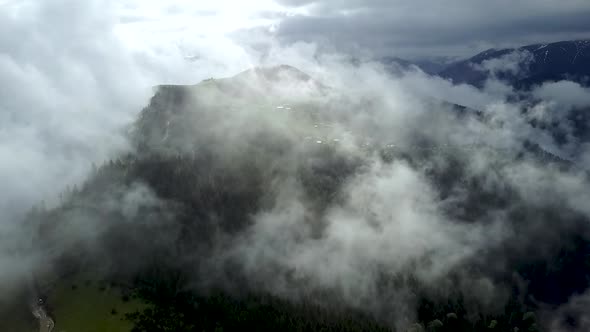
(431, 28)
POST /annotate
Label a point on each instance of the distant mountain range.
(522, 67)
(430, 66)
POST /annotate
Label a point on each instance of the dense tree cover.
(220, 312)
(199, 190)
(160, 213)
(173, 308)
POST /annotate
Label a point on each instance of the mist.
(310, 177)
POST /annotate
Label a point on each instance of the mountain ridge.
(535, 64)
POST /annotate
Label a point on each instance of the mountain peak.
(542, 63)
(275, 73)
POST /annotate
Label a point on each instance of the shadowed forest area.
(194, 222)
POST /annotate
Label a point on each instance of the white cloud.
(75, 73)
(514, 63)
(565, 93)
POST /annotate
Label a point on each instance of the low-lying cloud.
(418, 191)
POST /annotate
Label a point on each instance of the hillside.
(234, 211)
(525, 66)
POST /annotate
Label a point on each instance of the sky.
(409, 29)
(426, 28)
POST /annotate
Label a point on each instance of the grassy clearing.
(19, 319)
(89, 306)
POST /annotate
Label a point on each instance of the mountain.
(219, 218)
(430, 66)
(395, 64)
(181, 117)
(525, 66)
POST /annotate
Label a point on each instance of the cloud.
(565, 93)
(74, 76)
(444, 211)
(71, 86)
(63, 102)
(514, 64)
(571, 316)
(428, 28)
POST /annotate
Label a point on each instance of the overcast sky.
(418, 28)
(434, 27)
